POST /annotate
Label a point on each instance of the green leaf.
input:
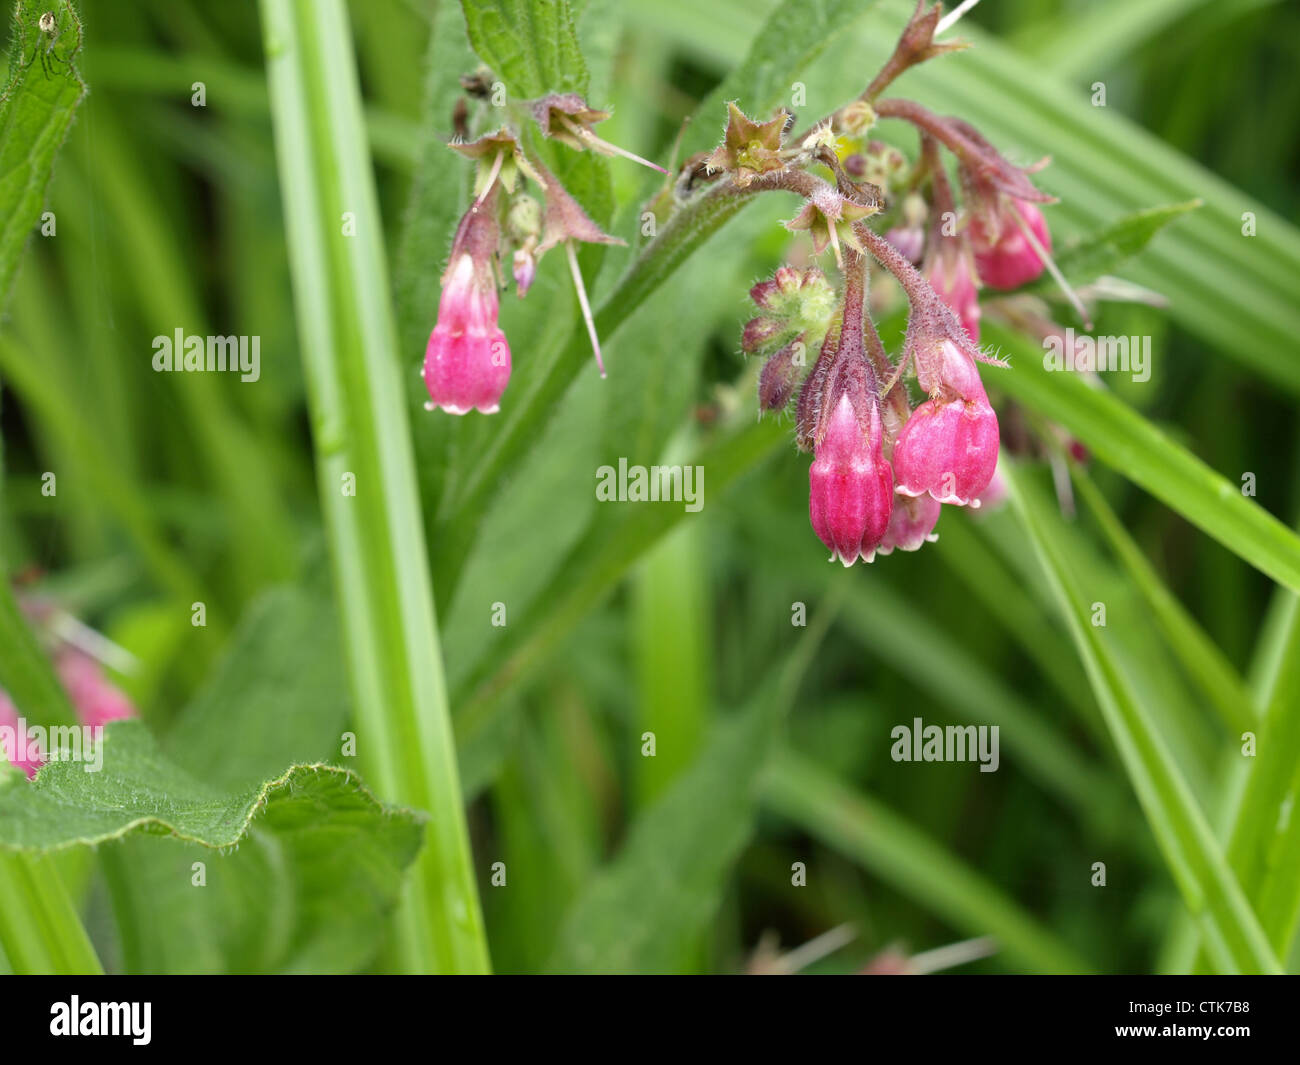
(900, 854)
(1237, 942)
(1197, 653)
(36, 112)
(138, 789)
(320, 855)
(1104, 252)
(533, 44)
(671, 610)
(361, 436)
(792, 38)
(1131, 445)
(644, 912)
(594, 566)
(277, 696)
(40, 931)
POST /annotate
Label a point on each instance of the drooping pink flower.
(850, 484)
(949, 446)
(94, 697)
(1004, 256)
(911, 524)
(467, 362)
(949, 274)
(19, 751)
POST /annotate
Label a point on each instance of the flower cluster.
(883, 467)
(887, 455)
(467, 361)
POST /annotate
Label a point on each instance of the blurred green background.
(772, 738)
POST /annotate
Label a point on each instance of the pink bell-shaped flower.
(949, 446)
(850, 484)
(911, 524)
(1006, 258)
(467, 362)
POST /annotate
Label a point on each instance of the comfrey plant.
(467, 361)
(883, 464)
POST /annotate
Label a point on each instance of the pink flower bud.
(949, 446)
(776, 384)
(855, 165)
(19, 751)
(524, 268)
(911, 524)
(1004, 256)
(761, 333)
(850, 484)
(909, 240)
(467, 362)
(94, 697)
(773, 294)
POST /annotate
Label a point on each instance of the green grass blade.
(1133, 446)
(1266, 835)
(1076, 44)
(360, 427)
(1200, 658)
(900, 854)
(40, 932)
(671, 610)
(1180, 828)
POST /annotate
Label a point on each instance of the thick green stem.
(366, 469)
